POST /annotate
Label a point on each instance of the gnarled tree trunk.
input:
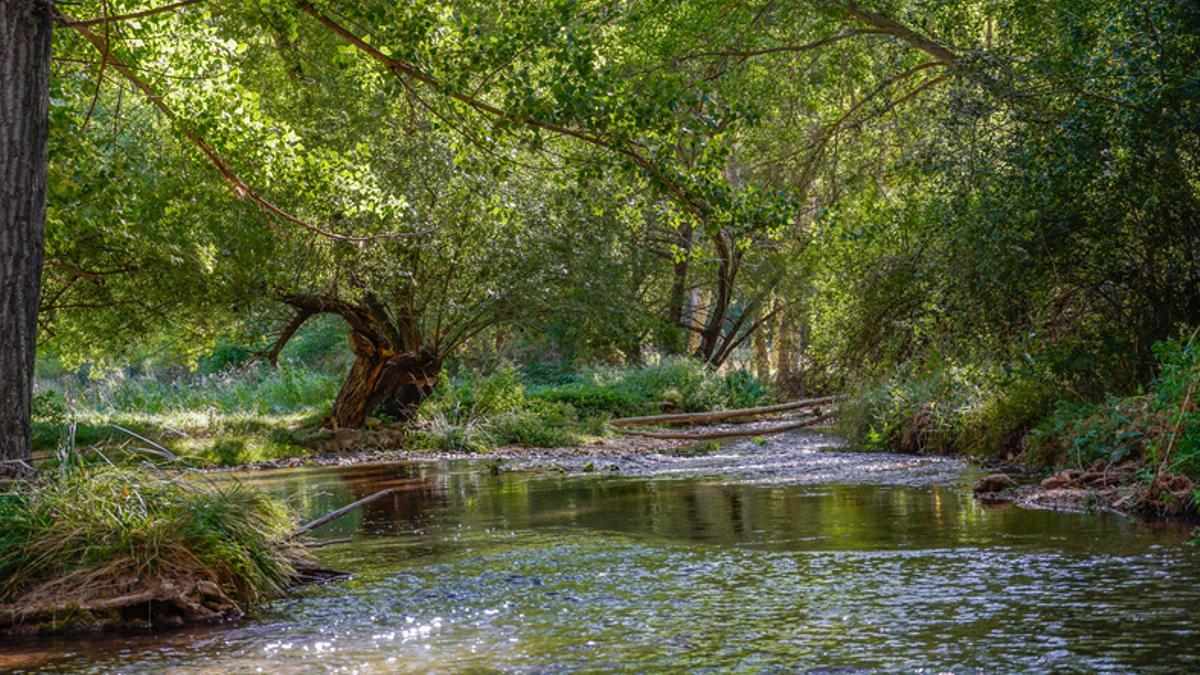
(382, 377)
(24, 127)
(393, 370)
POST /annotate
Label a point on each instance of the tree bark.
(381, 376)
(677, 312)
(24, 129)
(729, 259)
(761, 351)
(785, 352)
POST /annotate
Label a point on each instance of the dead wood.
(716, 416)
(732, 433)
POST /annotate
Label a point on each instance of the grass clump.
(105, 547)
(476, 414)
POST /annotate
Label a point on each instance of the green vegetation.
(474, 414)
(1015, 415)
(102, 547)
(222, 418)
(234, 417)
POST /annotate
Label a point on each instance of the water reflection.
(464, 569)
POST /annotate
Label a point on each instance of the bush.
(993, 411)
(945, 408)
(1082, 434)
(542, 424)
(918, 411)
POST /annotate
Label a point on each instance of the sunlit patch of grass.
(193, 438)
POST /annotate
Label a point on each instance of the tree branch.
(272, 354)
(795, 49)
(904, 33)
(402, 69)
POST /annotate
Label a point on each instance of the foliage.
(87, 531)
(673, 383)
(49, 406)
(475, 413)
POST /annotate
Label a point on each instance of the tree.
(24, 104)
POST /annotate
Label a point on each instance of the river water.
(785, 555)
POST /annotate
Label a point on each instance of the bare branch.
(294, 325)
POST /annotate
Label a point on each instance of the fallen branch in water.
(716, 416)
(334, 515)
(731, 433)
(328, 542)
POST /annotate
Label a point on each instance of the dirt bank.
(1124, 488)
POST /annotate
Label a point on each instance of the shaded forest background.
(980, 218)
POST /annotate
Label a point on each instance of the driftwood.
(696, 418)
(334, 515)
(732, 433)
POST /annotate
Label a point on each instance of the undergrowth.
(218, 419)
(476, 413)
(243, 415)
(1026, 415)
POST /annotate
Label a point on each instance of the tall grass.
(83, 534)
(224, 418)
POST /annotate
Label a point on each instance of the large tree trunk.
(761, 359)
(729, 258)
(24, 126)
(382, 377)
(677, 311)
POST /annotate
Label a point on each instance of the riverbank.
(105, 548)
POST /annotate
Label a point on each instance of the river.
(772, 555)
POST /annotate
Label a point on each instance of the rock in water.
(997, 482)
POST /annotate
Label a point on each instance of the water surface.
(782, 555)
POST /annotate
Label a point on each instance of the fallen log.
(334, 515)
(694, 418)
(731, 433)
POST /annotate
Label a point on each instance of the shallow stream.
(763, 556)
